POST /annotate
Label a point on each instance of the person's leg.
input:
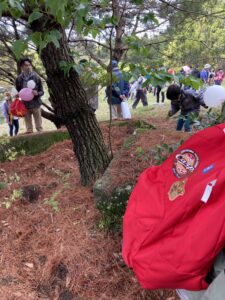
(37, 119)
(158, 90)
(136, 100)
(11, 129)
(114, 112)
(16, 126)
(144, 98)
(187, 125)
(180, 123)
(163, 97)
(119, 111)
(28, 121)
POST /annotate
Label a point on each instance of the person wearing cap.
(120, 91)
(204, 75)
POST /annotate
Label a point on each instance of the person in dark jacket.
(33, 106)
(187, 101)
(120, 91)
(195, 72)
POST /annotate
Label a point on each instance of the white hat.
(207, 66)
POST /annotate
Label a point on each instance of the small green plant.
(52, 202)
(141, 124)
(63, 174)
(211, 118)
(16, 194)
(113, 209)
(139, 152)
(14, 178)
(161, 153)
(129, 141)
(10, 152)
(3, 185)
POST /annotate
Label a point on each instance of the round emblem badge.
(185, 163)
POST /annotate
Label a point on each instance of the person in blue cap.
(120, 91)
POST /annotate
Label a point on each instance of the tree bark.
(70, 104)
(52, 118)
(118, 50)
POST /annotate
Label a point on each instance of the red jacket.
(174, 225)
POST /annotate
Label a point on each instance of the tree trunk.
(70, 104)
(119, 49)
(52, 118)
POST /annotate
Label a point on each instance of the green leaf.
(138, 2)
(114, 20)
(15, 7)
(36, 38)
(19, 47)
(94, 32)
(3, 7)
(150, 17)
(34, 16)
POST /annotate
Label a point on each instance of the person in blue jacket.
(204, 75)
(120, 91)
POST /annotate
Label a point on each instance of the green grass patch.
(11, 148)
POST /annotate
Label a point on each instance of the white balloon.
(31, 84)
(14, 92)
(214, 96)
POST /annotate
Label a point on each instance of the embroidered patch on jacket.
(208, 169)
(185, 163)
(177, 189)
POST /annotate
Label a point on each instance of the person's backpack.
(18, 109)
(174, 225)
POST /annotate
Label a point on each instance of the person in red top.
(219, 77)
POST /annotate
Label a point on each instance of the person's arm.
(5, 112)
(18, 84)
(174, 109)
(126, 88)
(40, 88)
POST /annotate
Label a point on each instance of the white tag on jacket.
(208, 191)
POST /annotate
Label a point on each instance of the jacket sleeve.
(18, 84)
(40, 87)
(174, 109)
(126, 88)
(200, 98)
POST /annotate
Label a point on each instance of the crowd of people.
(183, 98)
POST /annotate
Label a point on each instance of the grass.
(31, 144)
